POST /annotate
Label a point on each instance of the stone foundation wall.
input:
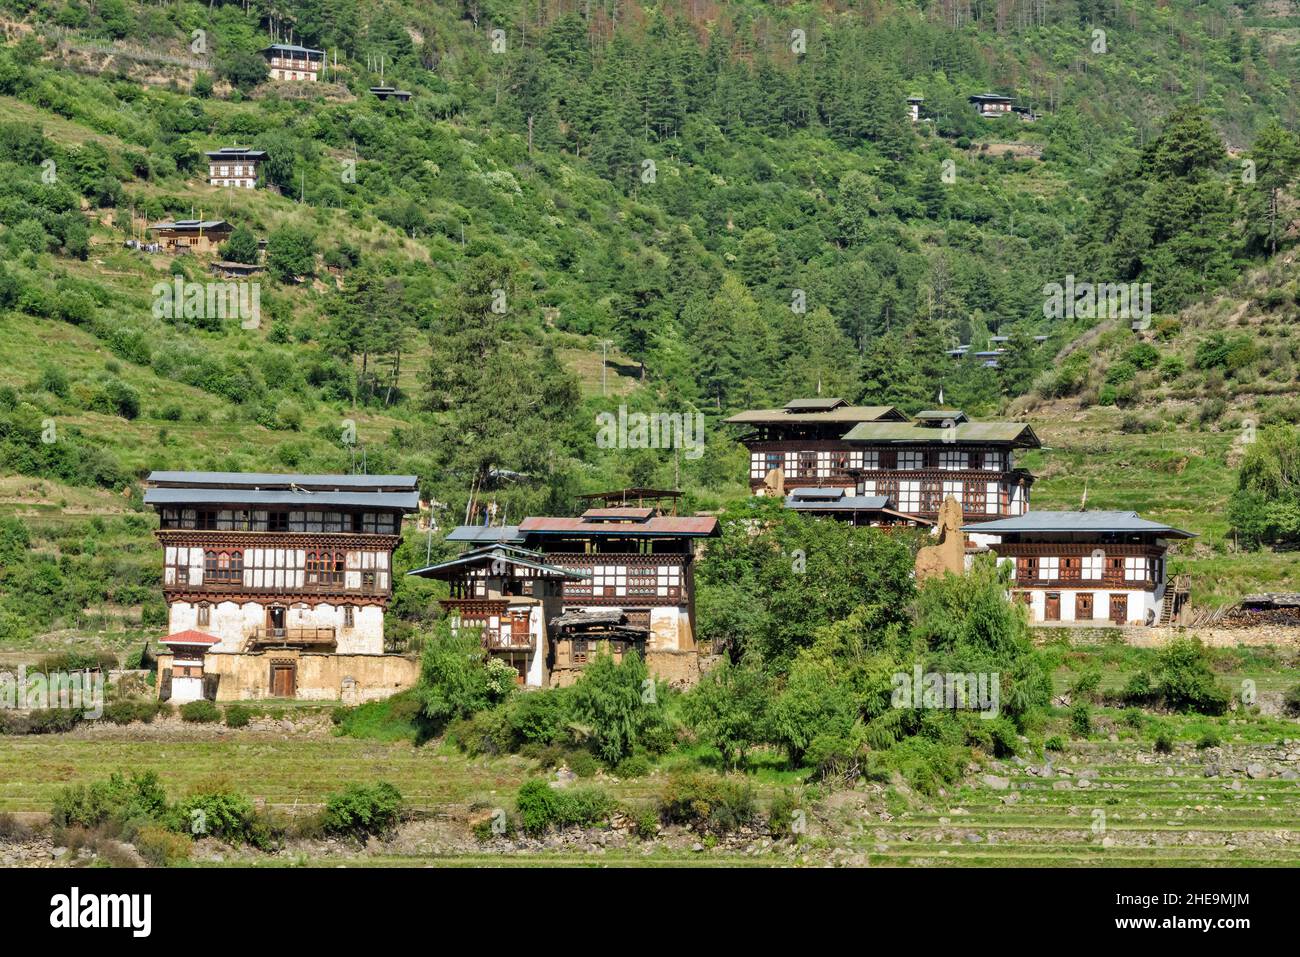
(350, 679)
(1282, 636)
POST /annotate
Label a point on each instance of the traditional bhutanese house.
(803, 442)
(990, 104)
(509, 593)
(919, 464)
(914, 108)
(235, 166)
(880, 452)
(632, 559)
(836, 502)
(1086, 567)
(186, 674)
(191, 235)
(291, 573)
(289, 62)
(390, 93)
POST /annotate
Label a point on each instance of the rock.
(1290, 775)
(697, 847)
(1012, 798)
(1084, 783)
(995, 782)
(1107, 842)
(972, 838)
(1256, 771)
(58, 852)
(1061, 786)
(1211, 771)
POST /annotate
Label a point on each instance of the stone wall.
(681, 669)
(1280, 635)
(350, 679)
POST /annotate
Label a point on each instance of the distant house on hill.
(235, 166)
(191, 235)
(914, 108)
(391, 93)
(990, 104)
(1085, 567)
(290, 62)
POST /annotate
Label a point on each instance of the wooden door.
(1083, 606)
(1052, 607)
(1119, 609)
(284, 680)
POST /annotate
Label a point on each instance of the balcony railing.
(291, 636)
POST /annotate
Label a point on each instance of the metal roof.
(490, 554)
(620, 513)
(484, 533)
(814, 405)
(191, 224)
(663, 526)
(842, 413)
(285, 480)
(943, 415)
(1013, 433)
(832, 491)
(190, 637)
(864, 503)
(292, 48)
(233, 152)
(397, 501)
(1095, 521)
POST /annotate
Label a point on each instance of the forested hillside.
(729, 197)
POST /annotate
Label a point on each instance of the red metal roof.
(191, 637)
(660, 525)
(622, 512)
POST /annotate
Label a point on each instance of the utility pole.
(604, 344)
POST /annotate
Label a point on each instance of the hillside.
(667, 179)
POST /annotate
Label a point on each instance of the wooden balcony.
(291, 637)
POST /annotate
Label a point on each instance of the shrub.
(783, 814)
(1184, 679)
(1084, 687)
(1164, 741)
(161, 847)
(541, 806)
(123, 802)
(707, 802)
(541, 717)
(582, 763)
(124, 711)
(728, 709)
(217, 810)
(238, 715)
(1055, 743)
(200, 712)
(52, 720)
(1209, 739)
(363, 809)
(636, 766)
(1081, 720)
(1291, 701)
(454, 678)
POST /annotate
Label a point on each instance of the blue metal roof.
(382, 501)
(1082, 522)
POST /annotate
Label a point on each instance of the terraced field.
(1137, 809)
